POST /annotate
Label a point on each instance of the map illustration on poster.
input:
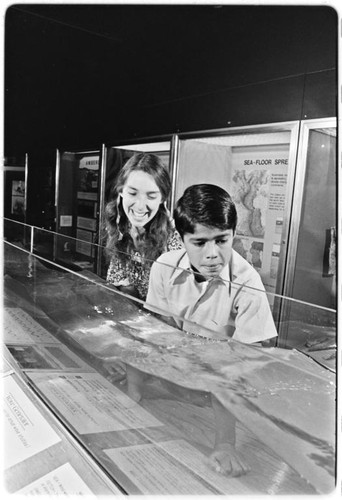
(250, 194)
(258, 189)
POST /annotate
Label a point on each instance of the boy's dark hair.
(204, 204)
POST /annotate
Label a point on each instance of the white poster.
(65, 221)
(26, 432)
(62, 481)
(258, 188)
(92, 404)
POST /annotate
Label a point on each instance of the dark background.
(77, 76)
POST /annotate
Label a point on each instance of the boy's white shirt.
(223, 305)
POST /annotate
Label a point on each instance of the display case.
(80, 345)
(84, 180)
(286, 226)
(15, 188)
(77, 200)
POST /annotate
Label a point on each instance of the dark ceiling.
(73, 70)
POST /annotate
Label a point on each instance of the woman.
(139, 226)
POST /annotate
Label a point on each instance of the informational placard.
(47, 357)
(86, 223)
(258, 188)
(20, 328)
(81, 245)
(92, 404)
(62, 481)
(86, 196)
(26, 432)
(90, 163)
(84, 248)
(83, 235)
(174, 468)
(65, 221)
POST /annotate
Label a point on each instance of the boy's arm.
(225, 458)
(253, 321)
(156, 299)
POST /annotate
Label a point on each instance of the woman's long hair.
(152, 242)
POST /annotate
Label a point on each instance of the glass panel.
(150, 401)
(78, 196)
(309, 329)
(315, 267)
(256, 169)
(17, 233)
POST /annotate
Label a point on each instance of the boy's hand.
(227, 460)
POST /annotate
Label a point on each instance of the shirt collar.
(184, 266)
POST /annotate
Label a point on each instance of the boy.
(208, 282)
(207, 285)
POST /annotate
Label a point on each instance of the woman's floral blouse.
(135, 272)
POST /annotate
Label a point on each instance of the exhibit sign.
(26, 432)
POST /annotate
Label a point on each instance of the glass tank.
(153, 401)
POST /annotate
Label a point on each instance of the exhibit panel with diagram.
(68, 335)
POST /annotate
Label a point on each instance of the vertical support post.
(57, 180)
(32, 239)
(174, 168)
(103, 173)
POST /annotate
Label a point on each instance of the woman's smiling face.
(141, 198)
